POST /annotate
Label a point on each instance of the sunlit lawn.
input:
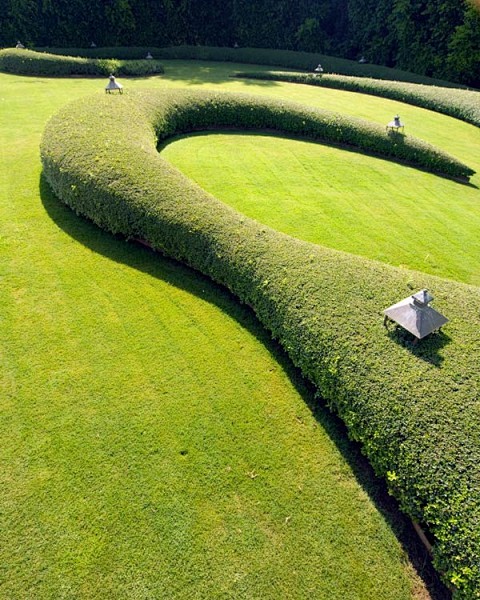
(155, 442)
(344, 200)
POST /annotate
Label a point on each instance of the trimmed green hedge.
(415, 409)
(461, 104)
(244, 112)
(28, 62)
(259, 56)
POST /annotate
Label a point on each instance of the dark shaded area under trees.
(439, 38)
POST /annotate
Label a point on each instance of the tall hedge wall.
(461, 104)
(28, 62)
(415, 409)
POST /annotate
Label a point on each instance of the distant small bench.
(395, 125)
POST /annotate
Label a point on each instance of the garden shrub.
(28, 62)
(246, 112)
(415, 409)
(461, 104)
(258, 56)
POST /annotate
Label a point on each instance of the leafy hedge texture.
(258, 56)
(28, 62)
(461, 104)
(415, 409)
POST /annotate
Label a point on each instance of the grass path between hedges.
(343, 200)
(346, 200)
(155, 443)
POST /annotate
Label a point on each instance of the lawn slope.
(155, 443)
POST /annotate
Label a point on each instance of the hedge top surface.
(28, 62)
(416, 410)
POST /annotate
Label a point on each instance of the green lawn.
(155, 442)
(346, 200)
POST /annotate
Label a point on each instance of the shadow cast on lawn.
(203, 72)
(156, 265)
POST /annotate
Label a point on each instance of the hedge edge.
(28, 62)
(415, 410)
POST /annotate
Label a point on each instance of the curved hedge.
(28, 62)
(416, 410)
(259, 56)
(461, 104)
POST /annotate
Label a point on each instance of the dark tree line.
(440, 38)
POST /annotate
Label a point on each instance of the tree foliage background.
(440, 38)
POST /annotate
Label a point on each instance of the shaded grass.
(154, 442)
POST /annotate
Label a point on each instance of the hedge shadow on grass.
(188, 74)
(160, 267)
